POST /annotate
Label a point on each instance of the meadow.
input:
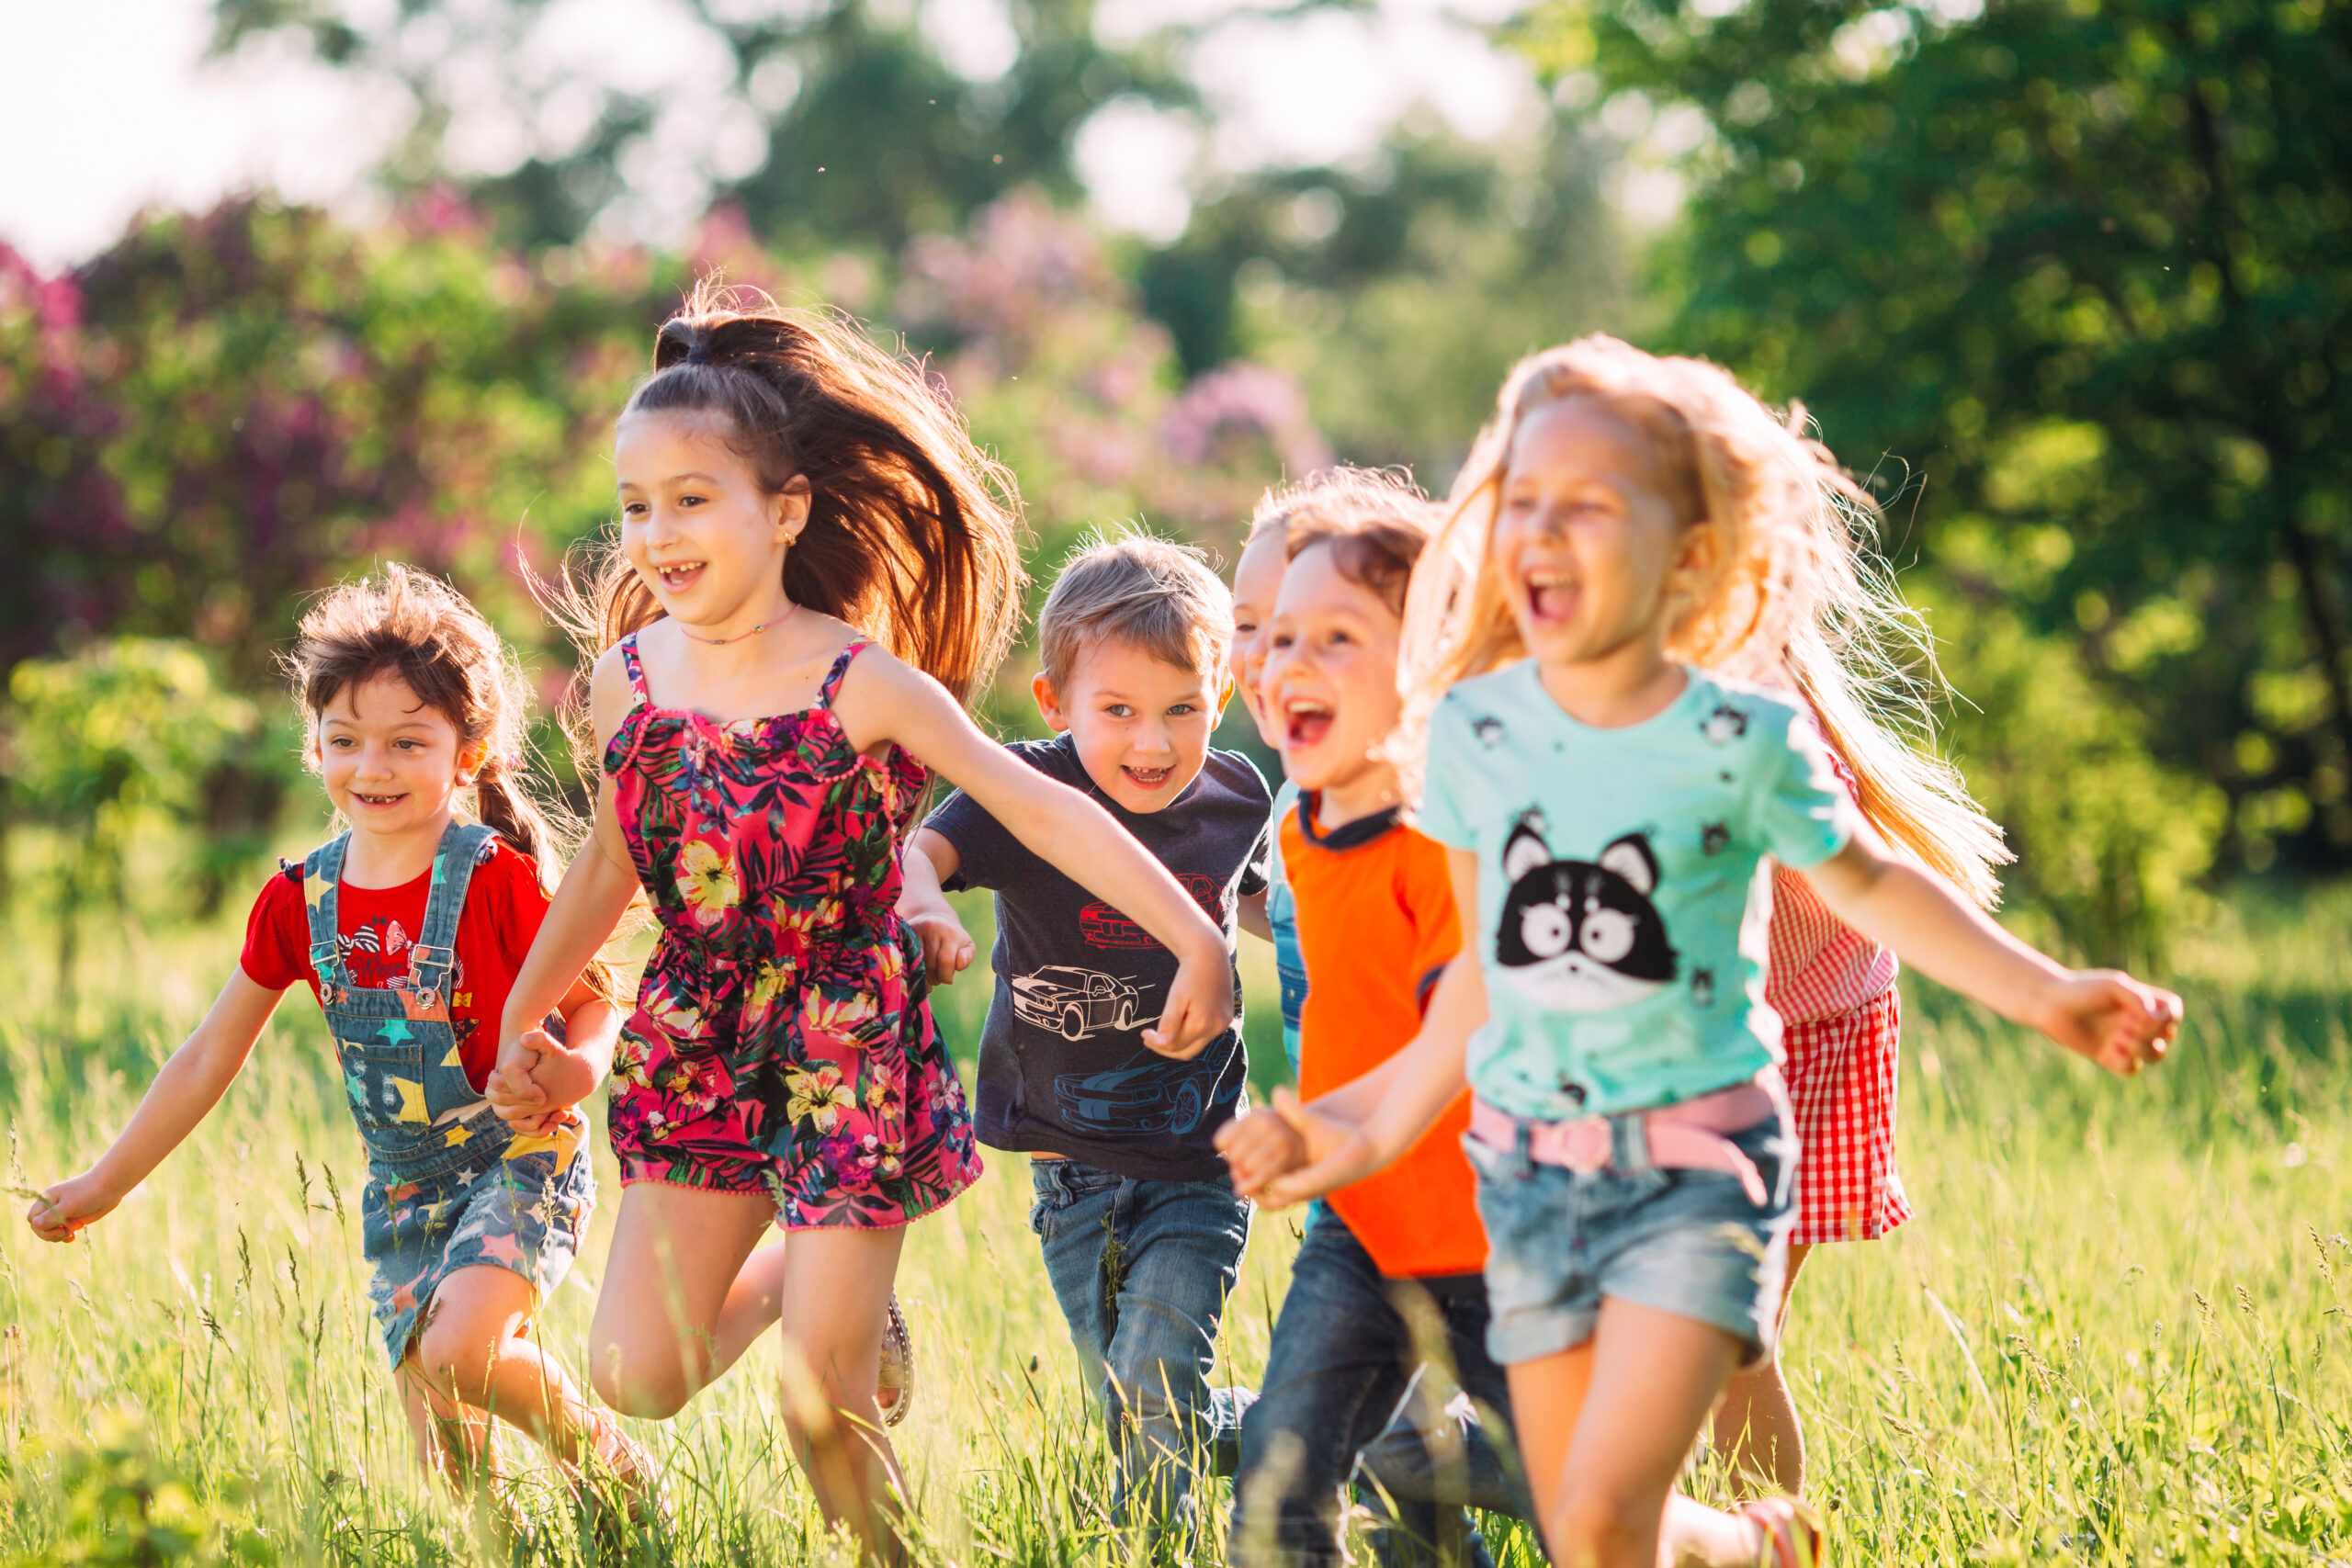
(2117, 1333)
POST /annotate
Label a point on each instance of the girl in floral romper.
(410, 928)
(815, 566)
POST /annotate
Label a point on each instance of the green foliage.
(102, 743)
(2111, 842)
(120, 1506)
(2078, 263)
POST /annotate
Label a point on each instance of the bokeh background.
(288, 287)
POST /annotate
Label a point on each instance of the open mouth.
(678, 576)
(378, 801)
(1551, 593)
(1305, 721)
(1147, 778)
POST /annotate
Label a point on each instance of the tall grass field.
(2117, 1332)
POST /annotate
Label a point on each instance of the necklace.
(739, 637)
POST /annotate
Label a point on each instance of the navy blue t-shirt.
(1063, 1066)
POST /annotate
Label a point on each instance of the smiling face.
(1588, 548)
(1257, 580)
(1330, 682)
(391, 762)
(697, 525)
(1141, 725)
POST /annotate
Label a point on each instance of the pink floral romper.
(782, 1041)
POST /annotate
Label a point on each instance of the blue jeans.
(1350, 1347)
(1142, 1269)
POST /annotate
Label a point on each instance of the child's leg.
(475, 1351)
(1334, 1374)
(669, 1282)
(452, 1442)
(1604, 1429)
(1756, 1427)
(1172, 1253)
(836, 1287)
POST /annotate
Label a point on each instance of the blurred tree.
(1359, 281)
(121, 732)
(869, 137)
(2087, 265)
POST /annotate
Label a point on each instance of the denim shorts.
(1688, 1241)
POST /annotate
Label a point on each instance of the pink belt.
(1685, 1136)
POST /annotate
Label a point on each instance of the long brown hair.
(416, 627)
(1798, 597)
(914, 531)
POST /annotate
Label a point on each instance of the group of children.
(1601, 833)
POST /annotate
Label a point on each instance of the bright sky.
(112, 107)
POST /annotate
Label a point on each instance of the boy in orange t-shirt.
(1394, 1262)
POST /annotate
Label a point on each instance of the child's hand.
(1199, 1005)
(2110, 1018)
(946, 946)
(520, 1103)
(1259, 1147)
(64, 1209)
(1335, 1154)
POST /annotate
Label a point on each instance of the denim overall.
(449, 1184)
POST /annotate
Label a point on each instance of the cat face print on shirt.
(1581, 936)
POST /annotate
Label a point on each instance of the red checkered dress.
(1840, 1018)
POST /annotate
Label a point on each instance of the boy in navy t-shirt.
(1141, 1230)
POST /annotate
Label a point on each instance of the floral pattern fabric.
(783, 1042)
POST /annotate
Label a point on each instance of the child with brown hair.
(816, 566)
(410, 929)
(1387, 1305)
(1141, 1231)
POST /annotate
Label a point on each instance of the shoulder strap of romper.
(435, 954)
(321, 873)
(634, 668)
(826, 693)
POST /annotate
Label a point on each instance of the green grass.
(2117, 1332)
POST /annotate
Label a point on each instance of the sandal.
(1792, 1535)
(894, 1392)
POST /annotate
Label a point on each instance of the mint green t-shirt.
(1623, 889)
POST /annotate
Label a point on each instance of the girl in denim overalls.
(409, 928)
(1628, 527)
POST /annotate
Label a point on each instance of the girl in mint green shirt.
(1630, 537)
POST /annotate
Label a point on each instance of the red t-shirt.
(504, 904)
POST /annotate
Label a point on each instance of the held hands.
(1291, 1152)
(537, 1082)
(1200, 1005)
(946, 945)
(2106, 1015)
(62, 1212)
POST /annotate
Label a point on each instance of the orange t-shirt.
(1376, 927)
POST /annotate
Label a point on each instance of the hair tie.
(699, 351)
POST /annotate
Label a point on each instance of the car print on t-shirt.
(1076, 1003)
(1581, 936)
(1101, 925)
(1148, 1094)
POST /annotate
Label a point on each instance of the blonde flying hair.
(1149, 592)
(1796, 598)
(913, 533)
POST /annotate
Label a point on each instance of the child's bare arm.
(184, 1091)
(884, 699)
(539, 1078)
(2108, 1016)
(596, 891)
(927, 863)
(1349, 1133)
(1253, 916)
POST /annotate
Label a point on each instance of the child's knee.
(1601, 1526)
(459, 1347)
(633, 1386)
